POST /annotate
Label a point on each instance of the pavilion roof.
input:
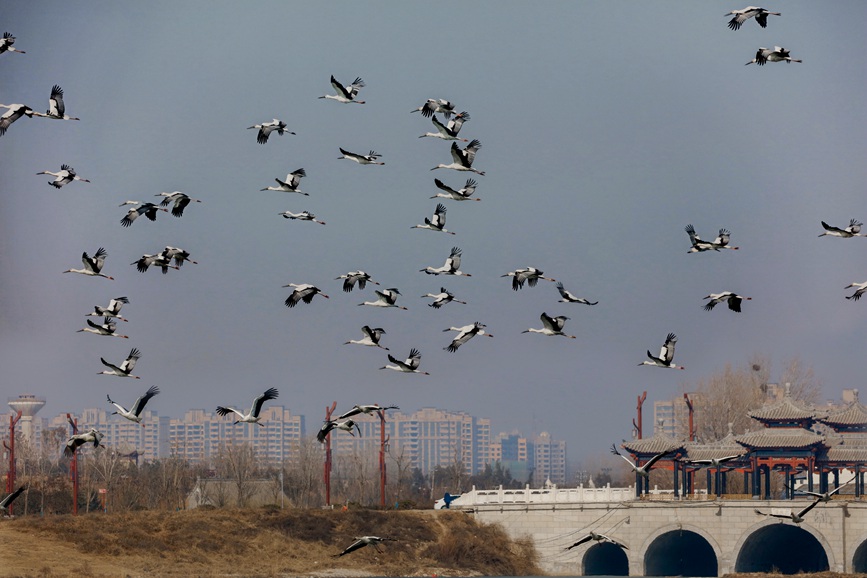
(658, 443)
(727, 446)
(854, 414)
(785, 410)
(791, 438)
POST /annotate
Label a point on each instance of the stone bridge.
(667, 537)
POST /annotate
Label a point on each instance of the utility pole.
(383, 447)
(691, 412)
(10, 476)
(327, 474)
(637, 424)
(74, 468)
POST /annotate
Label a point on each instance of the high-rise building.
(426, 439)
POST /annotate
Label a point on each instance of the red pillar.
(74, 467)
(637, 425)
(327, 474)
(691, 412)
(383, 442)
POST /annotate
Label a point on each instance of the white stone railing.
(555, 495)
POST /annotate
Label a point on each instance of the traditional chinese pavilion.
(789, 442)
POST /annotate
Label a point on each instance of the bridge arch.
(773, 546)
(680, 550)
(605, 559)
(859, 559)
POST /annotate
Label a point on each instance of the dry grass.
(268, 542)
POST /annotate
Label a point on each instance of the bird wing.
(828, 227)
(457, 154)
(140, 403)
(353, 547)
(55, 102)
(583, 540)
(453, 263)
(692, 235)
(11, 497)
(227, 410)
(323, 431)
(270, 393)
(340, 88)
(649, 463)
(439, 216)
(549, 322)
(735, 303)
(808, 508)
(442, 186)
(666, 354)
(414, 359)
(111, 365)
(354, 411)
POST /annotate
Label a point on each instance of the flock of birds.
(462, 160)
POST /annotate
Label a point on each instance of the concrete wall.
(839, 527)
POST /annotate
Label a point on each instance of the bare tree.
(303, 480)
(240, 464)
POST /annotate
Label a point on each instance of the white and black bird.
(180, 201)
(385, 298)
(266, 128)
(852, 230)
(159, 260)
(302, 216)
(733, 299)
(178, 255)
(7, 501)
(861, 288)
(450, 130)
(94, 436)
(410, 365)
(345, 94)
(666, 355)
(253, 415)
(598, 538)
(14, 112)
(530, 275)
(138, 209)
(775, 54)
(371, 158)
(714, 462)
(698, 245)
(56, 107)
(462, 159)
(463, 194)
(452, 265)
(437, 222)
(744, 14)
(644, 469)
(290, 185)
(366, 410)
(362, 541)
(824, 497)
(353, 277)
(567, 297)
(371, 337)
(125, 368)
(551, 326)
(465, 333)
(435, 105)
(302, 292)
(345, 425)
(64, 176)
(796, 517)
(6, 44)
(134, 412)
(441, 298)
(92, 265)
(107, 328)
(112, 311)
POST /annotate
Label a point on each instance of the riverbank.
(267, 543)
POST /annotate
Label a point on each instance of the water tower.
(29, 405)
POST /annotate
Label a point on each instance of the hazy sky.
(606, 128)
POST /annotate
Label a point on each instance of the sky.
(606, 128)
